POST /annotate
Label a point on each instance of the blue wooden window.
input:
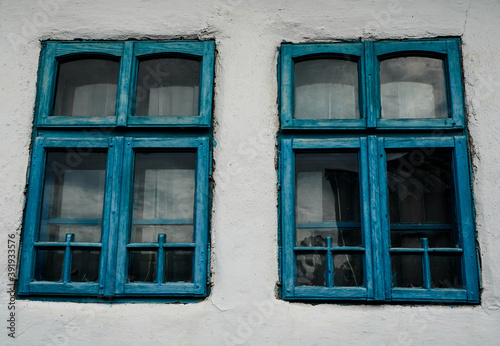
(375, 211)
(117, 208)
(372, 85)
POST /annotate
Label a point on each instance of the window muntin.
(78, 238)
(414, 238)
(413, 87)
(326, 88)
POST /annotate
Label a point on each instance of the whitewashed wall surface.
(243, 306)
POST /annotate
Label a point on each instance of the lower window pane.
(178, 266)
(419, 186)
(142, 266)
(348, 270)
(49, 265)
(311, 270)
(85, 266)
(407, 271)
(446, 271)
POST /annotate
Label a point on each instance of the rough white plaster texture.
(242, 307)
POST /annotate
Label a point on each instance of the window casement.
(375, 193)
(118, 197)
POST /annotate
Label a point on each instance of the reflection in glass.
(340, 236)
(407, 271)
(86, 87)
(73, 196)
(164, 187)
(168, 86)
(446, 271)
(327, 187)
(413, 87)
(85, 266)
(49, 265)
(419, 186)
(178, 266)
(310, 270)
(348, 270)
(142, 266)
(326, 89)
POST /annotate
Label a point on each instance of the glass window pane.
(327, 188)
(446, 271)
(164, 188)
(49, 265)
(85, 265)
(407, 271)
(168, 86)
(173, 233)
(326, 89)
(348, 270)
(309, 236)
(73, 196)
(178, 266)
(142, 266)
(310, 270)
(419, 186)
(413, 87)
(86, 87)
(412, 239)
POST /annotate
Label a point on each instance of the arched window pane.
(168, 87)
(86, 87)
(413, 87)
(326, 89)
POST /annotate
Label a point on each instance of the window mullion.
(368, 236)
(112, 211)
(377, 210)
(123, 94)
(371, 103)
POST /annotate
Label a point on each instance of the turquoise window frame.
(370, 138)
(128, 53)
(119, 137)
(368, 54)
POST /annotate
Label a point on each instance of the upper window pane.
(168, 87)
(419, 186)
(326, 89)
(164, 196)
(86, 87)
(413, 87)
(73, 197)
(327, 199)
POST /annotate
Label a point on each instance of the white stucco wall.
(242, 307)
